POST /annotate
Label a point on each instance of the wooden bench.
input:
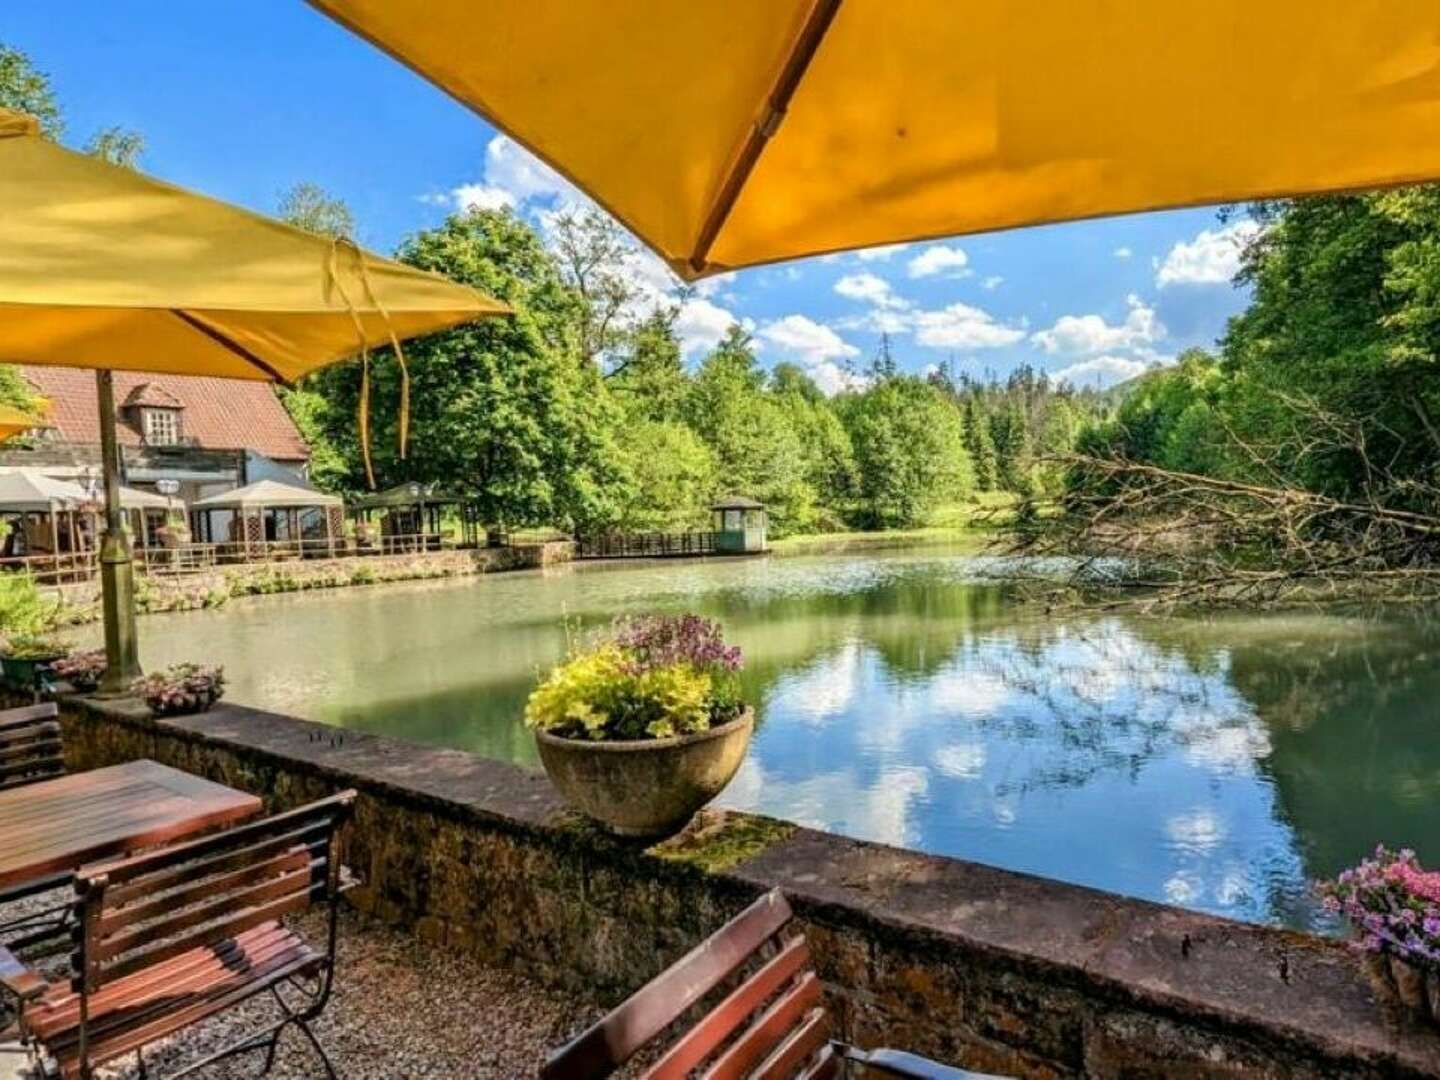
(31, 748)
(177, 934)
(772, 1026)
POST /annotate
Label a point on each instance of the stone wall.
(996, 970)
(217, 585)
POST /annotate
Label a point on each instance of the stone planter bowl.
(646, 787)
(1418, 988)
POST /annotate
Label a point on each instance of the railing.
(645, 545)
(198, 557)
(63, 568)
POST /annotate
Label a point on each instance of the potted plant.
(1394, 907)
(645, 726)
(181, 688)
(174, 533)
(82, 670)
(27, 656)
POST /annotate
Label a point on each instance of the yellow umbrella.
(106, 268)
(727, 133)
(15, 421)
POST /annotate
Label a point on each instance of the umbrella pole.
(117, 561)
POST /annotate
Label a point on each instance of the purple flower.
(658, 641)
(1392, 902)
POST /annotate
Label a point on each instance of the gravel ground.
(400, 1009)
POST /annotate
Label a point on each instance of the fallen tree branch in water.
(1169, 538)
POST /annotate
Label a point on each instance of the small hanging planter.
(1393, 904)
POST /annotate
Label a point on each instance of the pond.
(1218, 763)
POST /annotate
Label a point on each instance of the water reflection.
(905, 698)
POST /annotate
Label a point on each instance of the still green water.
(1217, 763)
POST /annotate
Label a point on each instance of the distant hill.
(1115, 396)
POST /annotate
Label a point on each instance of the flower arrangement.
(181, 688)
(650, 677)
(1394, 906)
(82, 670)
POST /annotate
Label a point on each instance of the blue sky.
(243, 98)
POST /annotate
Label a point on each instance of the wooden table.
(59, 825)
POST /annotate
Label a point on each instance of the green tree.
(1011, 436)
(825, 444)
(649, 380)
(757, 449)
(310, 207)
(672, 476)
(117, 145)
(500, 407)
(25, 88)
(979, 445)
(909, 444)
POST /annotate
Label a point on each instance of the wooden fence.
(645, 545)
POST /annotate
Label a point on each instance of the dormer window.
(162, 426)
(155, 412)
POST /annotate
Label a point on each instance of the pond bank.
(215, 587)
(983, 967)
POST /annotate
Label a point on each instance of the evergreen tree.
(980, 445)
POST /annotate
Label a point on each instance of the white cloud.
(1081, 335)
(510, 177)
(510, 166)
(879, 321)
(870, 289)
(881, 253)
(1122, 253)
(1212, 258)
(939, 259)
(961, 326)
(481, 197)
(994, 281)
(808, 340)
(1101, 371)
(711, 285)
(701, 324)
(815, 346)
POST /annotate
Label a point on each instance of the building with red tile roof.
(215, 414)
(207, 435)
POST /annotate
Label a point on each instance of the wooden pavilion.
(410, 515)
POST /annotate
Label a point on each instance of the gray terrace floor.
(401, 1009)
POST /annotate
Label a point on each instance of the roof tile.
(220, 414)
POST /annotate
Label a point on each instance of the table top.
(58, 825)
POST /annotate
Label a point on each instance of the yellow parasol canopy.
(15, 421)
(104, 267)
(727, 133)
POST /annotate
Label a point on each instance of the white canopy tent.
(283, 502)
(29, 493)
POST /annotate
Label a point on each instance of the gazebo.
(42, 505)
(270, 517)
(411, 514)
(740, 525)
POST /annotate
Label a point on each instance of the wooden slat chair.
(772, 1026)
(30, 745)
(175, 935)
(31, 749)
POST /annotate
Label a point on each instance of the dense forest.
(580, 412)
(1306, 449)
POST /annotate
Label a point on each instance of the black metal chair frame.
(315, 989)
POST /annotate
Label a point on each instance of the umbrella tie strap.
(395, 344)
(363, 412)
